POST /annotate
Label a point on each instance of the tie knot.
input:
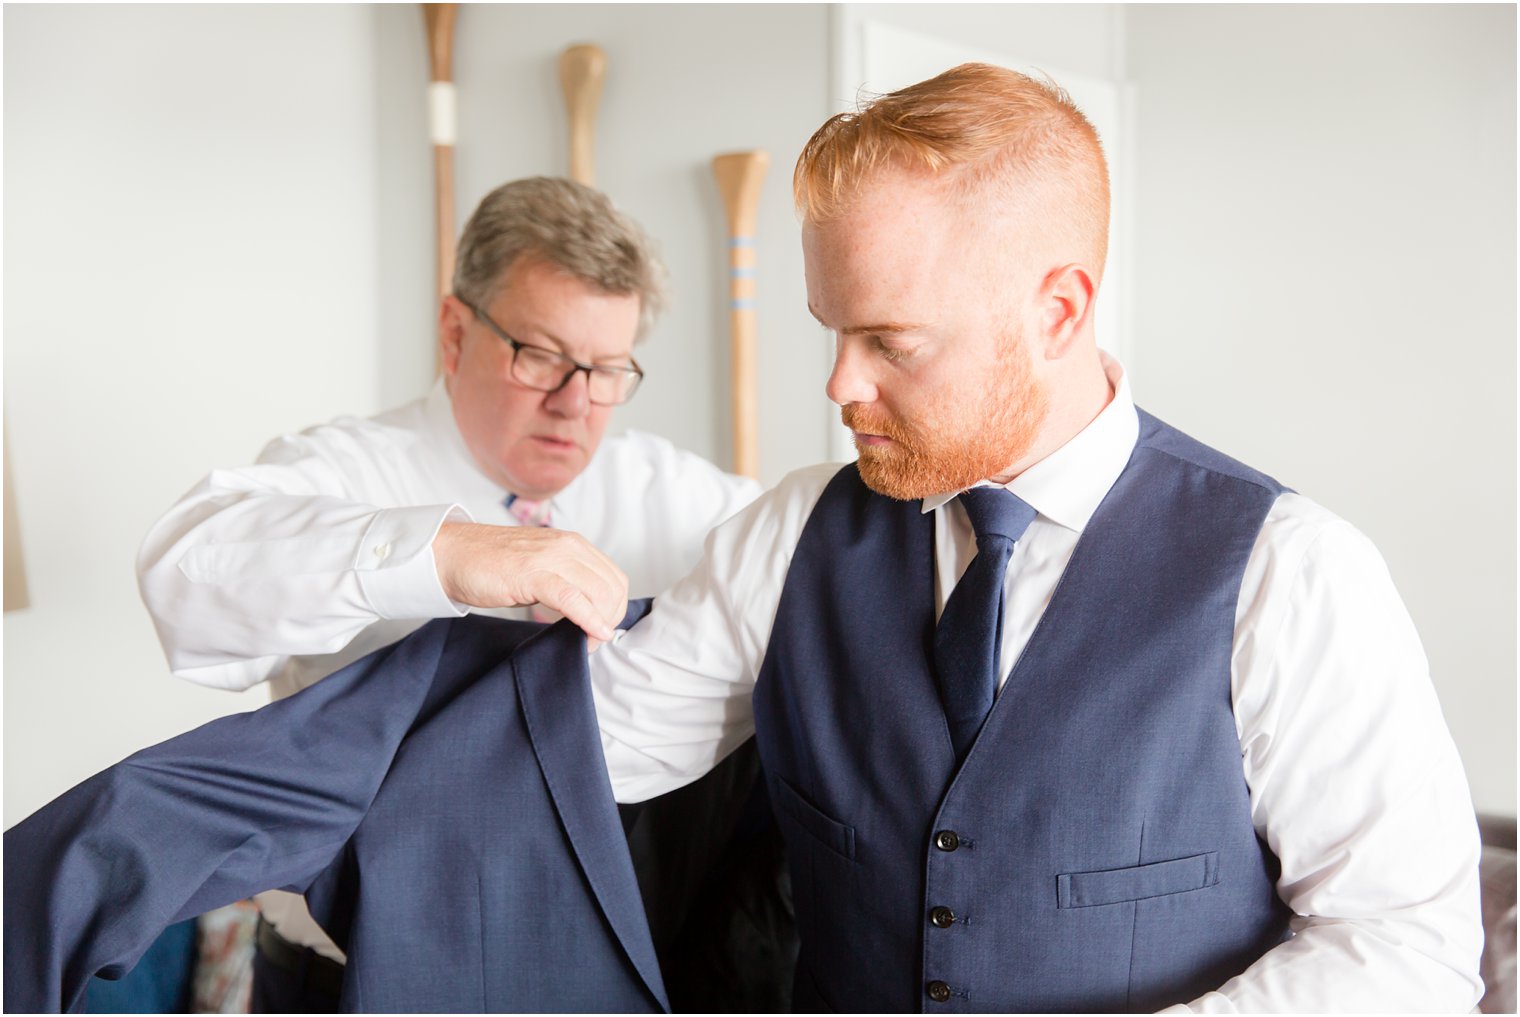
(996, 511)
(529, 512)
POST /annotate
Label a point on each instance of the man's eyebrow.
(551, 338)
(884, 328)
(558, 346)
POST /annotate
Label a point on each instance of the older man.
(1060, 709)
(494, 492)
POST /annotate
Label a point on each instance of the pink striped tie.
(534, 513)
(530, 512)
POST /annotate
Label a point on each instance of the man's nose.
(851, 380)
(571, 400)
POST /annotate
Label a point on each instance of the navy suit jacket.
(459, 773)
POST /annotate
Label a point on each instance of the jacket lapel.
(555, 691)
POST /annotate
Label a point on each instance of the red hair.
(993, 135)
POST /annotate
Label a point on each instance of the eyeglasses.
(548, 371)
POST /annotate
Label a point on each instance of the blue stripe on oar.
(742, 304)
(741, 241)
(744, 272)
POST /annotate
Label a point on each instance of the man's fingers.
(606, 588)
(493, 566)
(591, 592)
(576, 606)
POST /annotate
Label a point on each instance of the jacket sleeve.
(243, 804)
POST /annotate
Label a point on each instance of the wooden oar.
(443, 127)
(739, 177)
(581, 72)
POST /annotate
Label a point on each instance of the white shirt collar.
(1067, 486)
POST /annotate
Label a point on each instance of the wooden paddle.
(443, 127)
(581, 72)
(739, 177)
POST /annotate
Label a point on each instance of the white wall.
(189, 203)
(1085, 38)
(1325, 287)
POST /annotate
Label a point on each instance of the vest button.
(947, 840)
(942, 918)
(939, 992)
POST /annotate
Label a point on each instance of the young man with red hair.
(1059, 708)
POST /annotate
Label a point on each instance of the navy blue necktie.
(969, 638)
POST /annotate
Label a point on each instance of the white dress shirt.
(322, 551)
(1354, 780)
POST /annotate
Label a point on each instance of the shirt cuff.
(395, 563)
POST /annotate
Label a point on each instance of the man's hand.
(511, 566)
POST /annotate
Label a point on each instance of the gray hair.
(569, 225)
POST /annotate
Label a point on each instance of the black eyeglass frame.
(635, 372)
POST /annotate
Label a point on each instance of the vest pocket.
(1158, 879)
(832, 833)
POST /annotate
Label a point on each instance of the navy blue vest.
(1095, 851)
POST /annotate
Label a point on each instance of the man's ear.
(1066, 300)
(453, 316)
